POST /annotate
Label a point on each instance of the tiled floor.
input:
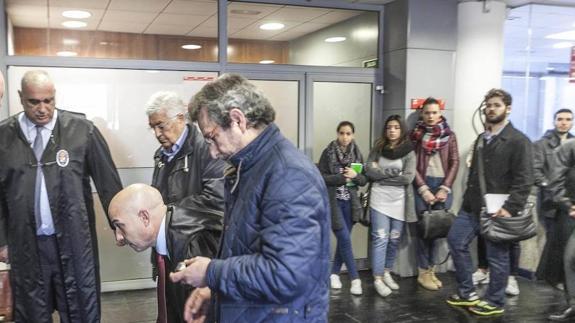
(410, 304)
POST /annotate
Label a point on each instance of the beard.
(495, 119)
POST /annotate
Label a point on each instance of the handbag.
(6, 307)
(503, 229)
(365, 218)
(434, 224)
(511, 229)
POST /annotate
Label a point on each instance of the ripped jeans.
(385, 235)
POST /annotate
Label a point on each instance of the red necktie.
(162, 312)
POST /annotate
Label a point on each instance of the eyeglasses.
(35, 102)
(209, 137)
(162, 126)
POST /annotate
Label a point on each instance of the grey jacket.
(544, 163)
(377, 175)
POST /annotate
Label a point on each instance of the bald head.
(136, 213)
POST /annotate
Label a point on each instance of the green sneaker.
(457, 300)
(484, 309)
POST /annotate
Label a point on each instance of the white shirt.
(161, 243)
(29, 130)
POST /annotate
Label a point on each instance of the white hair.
(166, 101)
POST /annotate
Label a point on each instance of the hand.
(197, 305)
(4, 254)
(503, 213)
(441, 195)
(348, 172)
(195, 272)
(428, 197)
(572, 211)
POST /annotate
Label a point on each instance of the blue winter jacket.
(273, 263)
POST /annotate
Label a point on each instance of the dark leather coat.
(194, 183)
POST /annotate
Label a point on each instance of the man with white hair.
(190, 179)
(47, 219)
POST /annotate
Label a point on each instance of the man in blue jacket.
(273, 262)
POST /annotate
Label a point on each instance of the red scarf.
(432, 138)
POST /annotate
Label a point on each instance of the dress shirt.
(29, 130)
(170, 153)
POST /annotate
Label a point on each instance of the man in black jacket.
(563, 190)
(545, 161)
(186, 175)
(47, 219)
(507, 159)
(142, 220)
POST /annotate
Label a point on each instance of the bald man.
(47, 220)
(143, 221)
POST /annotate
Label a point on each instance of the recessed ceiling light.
(74, 24)
(245, 12)
(68, 41)
(563, 44)
(191, 46)
(335, 39)
(267, 61)
(66, 53)
(566, 35)
(76, 14)
(272, 26)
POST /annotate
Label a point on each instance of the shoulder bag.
(503, 229)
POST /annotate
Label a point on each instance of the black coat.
(70, 196)
(186, 237)
(333, 179)
(508, 167)
(544, 162)
(194, 182)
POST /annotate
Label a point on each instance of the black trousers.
(52, 277)
(569, 263)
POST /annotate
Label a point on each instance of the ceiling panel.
(192, 8)
(182, 20)
(129, 16)
(80, 4)
(139, 5)
(164, 29)
(336, 16)
(29, 21)
(299, 14)
(203, 31)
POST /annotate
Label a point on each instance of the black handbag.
(365, 218)
(503, 229)
(434, 224)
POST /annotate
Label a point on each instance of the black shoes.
(567, 316)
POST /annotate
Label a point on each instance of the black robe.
(70, 197)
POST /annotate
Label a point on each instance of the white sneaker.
(356, 287)
(388, 280)
(480, 277)
(512, 288)
(334, 281)
(381, 288)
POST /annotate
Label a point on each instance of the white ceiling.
(177, 17)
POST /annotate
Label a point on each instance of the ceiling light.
(335, 39)
(245, 12)
(563, 44)
(267, 61)
(68, 41)
(76, 14)
(191, 46)
(566, 35)
(272, 26)
(66, 53)
(74, 24)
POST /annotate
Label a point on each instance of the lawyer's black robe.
(70, 196)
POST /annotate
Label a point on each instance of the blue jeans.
(344, 251)
(464, 229)
(426, 249)
(385, 236)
